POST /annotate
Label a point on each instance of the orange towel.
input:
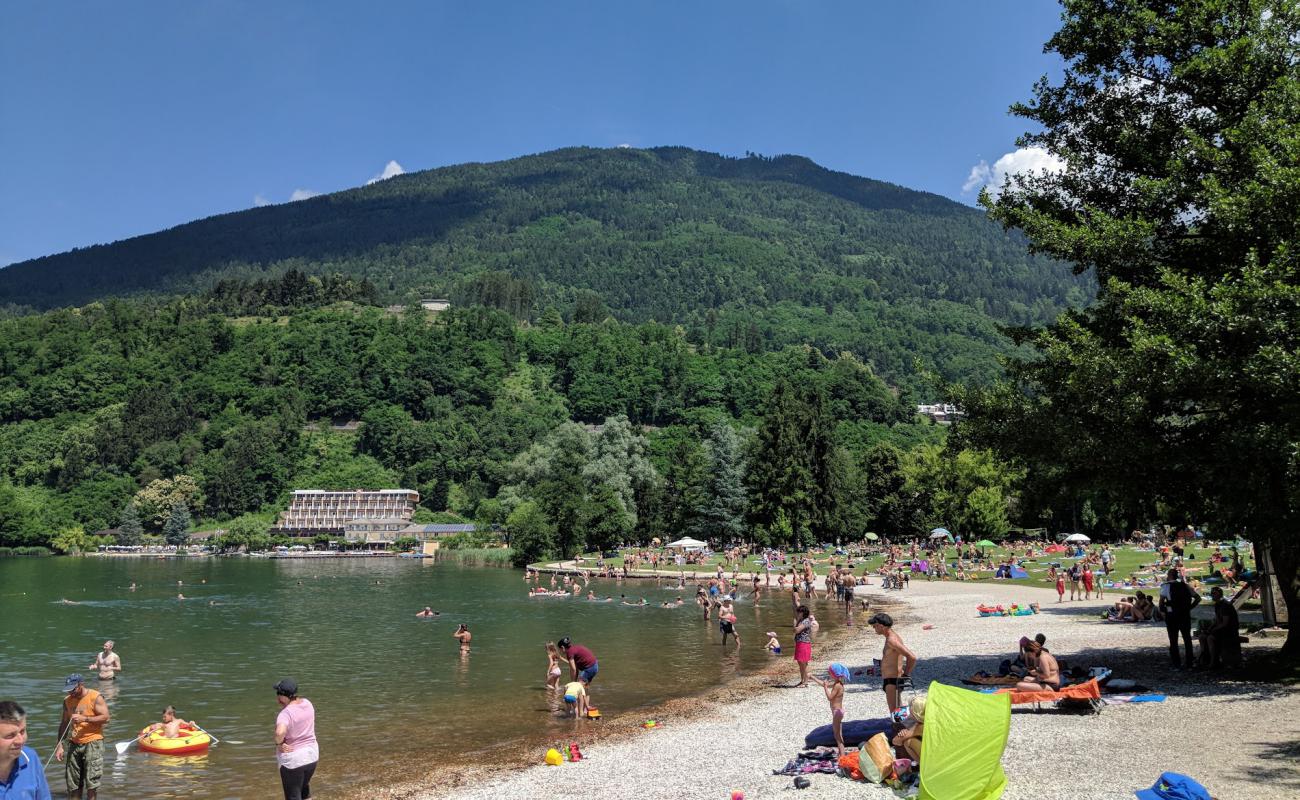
(1082, 691)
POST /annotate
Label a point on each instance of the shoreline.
(621, 728)
(732, 737)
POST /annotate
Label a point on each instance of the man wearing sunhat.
(84, 716)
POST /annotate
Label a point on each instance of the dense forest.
(753, 253)
(146, 415)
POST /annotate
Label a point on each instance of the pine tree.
(130, 531)
(177, 529)
(722, 514)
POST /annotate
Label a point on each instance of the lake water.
(389, 689)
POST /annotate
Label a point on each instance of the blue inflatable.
(855, 732)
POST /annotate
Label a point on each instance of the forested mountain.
(753, 252)
(132, 411)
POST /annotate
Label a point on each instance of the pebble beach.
(1238, 739)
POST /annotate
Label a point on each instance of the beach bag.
(849, 763)
(881, 754)
(870, 772)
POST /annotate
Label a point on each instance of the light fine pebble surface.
(1238, 739)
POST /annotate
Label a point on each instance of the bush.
(477, 557)
(25, 551)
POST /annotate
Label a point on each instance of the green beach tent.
(961, 752)
(985, 543)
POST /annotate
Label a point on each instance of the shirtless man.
(896, 662)
(107, 663)
(170, 725)
(849, 583)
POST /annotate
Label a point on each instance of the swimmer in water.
(426, 612)
(463, 636)
(180, 597)
(131, 588)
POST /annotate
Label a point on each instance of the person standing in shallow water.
(296, 750)
(803, 637)
(84, 716)
(107, 663)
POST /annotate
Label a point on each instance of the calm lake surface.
(389, 689)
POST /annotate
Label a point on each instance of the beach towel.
(1083, 691)
(855, 732)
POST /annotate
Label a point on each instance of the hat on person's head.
(73, 681)
(287, 687)
(1174, 786)
(838, 670)
(881, 619)
(916, 708)
(770, 634)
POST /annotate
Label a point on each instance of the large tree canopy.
(1178, 124)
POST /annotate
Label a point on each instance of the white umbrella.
(688, 544)
(940, 533)
(1077, 537)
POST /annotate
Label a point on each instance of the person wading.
(84, 716)
(296, 750)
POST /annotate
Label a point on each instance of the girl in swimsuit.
(834, 689)
(552, 666)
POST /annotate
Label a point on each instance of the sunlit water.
(388, 688)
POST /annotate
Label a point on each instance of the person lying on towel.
(1045, 674)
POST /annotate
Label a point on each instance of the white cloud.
(391, 169)
(259, 201)
(1024, 160)
(302, 194)
(625, 145)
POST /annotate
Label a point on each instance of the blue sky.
(122, 118)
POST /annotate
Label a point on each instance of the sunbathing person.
(1045, 674)
(1145, 609)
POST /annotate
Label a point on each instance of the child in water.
(838, 673)
(575, 694)
(170, 725)
(552, 666)
(773, 644)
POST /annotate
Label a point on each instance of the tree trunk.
(1286, 568)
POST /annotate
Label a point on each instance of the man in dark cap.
(84, 715)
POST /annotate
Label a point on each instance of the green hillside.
(753, 252)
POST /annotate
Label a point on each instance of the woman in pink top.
(295, 741)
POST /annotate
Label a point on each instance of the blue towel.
(1148, 698)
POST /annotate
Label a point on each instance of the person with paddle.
(84, 716)
(171, 725)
